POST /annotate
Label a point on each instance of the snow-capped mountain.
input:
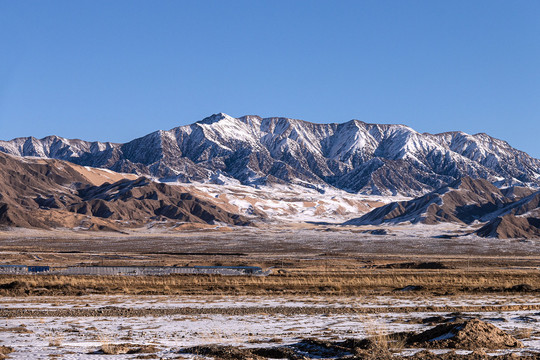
(353, 156)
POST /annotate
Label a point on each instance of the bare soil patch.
(118, 349)
(4, 350)
(472, 334)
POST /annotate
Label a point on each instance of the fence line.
(133, 270)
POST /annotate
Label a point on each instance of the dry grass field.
(303, 261)
(333, 294)
(296, 282)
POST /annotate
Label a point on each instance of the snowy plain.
(79, 337)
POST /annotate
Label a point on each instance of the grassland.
(443, 282)
(325, 284)
(305, 261)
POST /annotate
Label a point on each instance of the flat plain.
(329, 284)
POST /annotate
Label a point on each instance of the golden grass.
(368, 281)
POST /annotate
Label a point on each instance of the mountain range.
(251, 169)
(354, 156)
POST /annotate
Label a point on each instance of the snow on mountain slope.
(463, 201)
(508, 213)
(354, 156)
(286, 203)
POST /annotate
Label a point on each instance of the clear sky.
(116, 70)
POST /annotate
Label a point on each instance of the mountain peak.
(355, 156)
(215, 118)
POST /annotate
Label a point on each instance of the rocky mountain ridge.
(354, 156)
(507, 213)
(48, 193)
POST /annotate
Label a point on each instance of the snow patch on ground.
(75, 338)
(290, 203)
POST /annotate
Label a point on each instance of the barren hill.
(507, 213)
(511, 226)
(462, 201)
(519, 219)
(39, 193)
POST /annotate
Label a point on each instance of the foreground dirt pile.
(475, 355)
(471, 334)
(119, 349)
(224, 352)
(4, 351)
(465, 334)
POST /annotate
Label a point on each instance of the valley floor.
(328, 284)
(82, 327)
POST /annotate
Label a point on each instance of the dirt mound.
(371, 348)
(522, 288)
(510, 226)
(414, 265)
(322, 348)
(4, 350)
(280, 352)
(118, 349)
(223, 352)
(305, 349)
(354, 350)
(431, 320)
(475, 355)
(465, 334)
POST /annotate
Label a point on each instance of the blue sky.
(116, 70)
